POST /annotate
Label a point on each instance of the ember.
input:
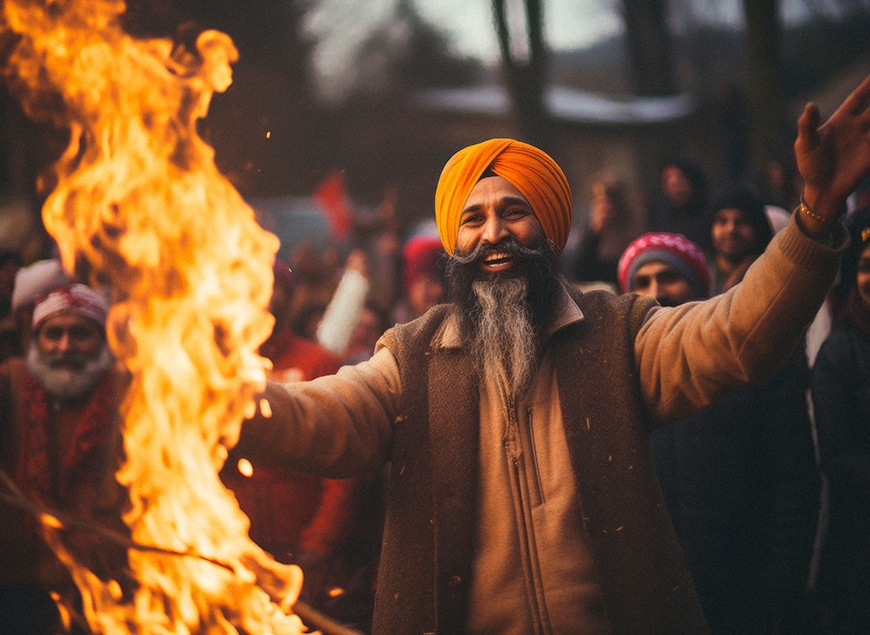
(141, 209)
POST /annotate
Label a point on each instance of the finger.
(857, 101)
(808, 124)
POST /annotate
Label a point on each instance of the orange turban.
(528, 169)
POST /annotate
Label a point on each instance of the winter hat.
(750, 204)
(673, 249)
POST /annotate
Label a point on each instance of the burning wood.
(140, 209)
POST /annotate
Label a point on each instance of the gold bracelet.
(806, 209)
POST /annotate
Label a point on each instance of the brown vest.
(425, 570)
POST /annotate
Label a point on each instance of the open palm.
(834, 158)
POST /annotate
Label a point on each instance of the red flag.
(332, 198)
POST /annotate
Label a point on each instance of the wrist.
(819, 205)
(817, 217)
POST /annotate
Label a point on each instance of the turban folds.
(531, 171)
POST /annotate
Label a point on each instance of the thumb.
(808, 124)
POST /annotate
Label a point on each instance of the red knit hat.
(674, 249)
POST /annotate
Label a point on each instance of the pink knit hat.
(674, 249)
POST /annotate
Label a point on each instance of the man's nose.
(494, 230)
(65, 342)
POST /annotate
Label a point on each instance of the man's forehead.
(69, 319)
(493, 187)
(655, 267)
(728, 212)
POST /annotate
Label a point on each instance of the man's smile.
(497, 261)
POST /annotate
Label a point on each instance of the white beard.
(505, 343)
(66, 384)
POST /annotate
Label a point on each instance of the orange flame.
(141, 207)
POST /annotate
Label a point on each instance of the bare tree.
(525, 75)
(649, 45)
(764, 76)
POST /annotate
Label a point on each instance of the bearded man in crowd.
(60, 443)
(522, 495)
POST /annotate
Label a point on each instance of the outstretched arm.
(833, 158)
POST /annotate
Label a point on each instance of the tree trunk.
(526, 79)
(649, 47)
(764, 73)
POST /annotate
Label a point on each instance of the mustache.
(58, 360)
(509, 245)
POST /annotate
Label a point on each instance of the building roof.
(566, 104)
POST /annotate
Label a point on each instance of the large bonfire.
(141, 210)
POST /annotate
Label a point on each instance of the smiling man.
(739, 232)
(516, 416)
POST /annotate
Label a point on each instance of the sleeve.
(335, 426)
(692, 355)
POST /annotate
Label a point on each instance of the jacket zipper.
(521, 482)
(533, 450)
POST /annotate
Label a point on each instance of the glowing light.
(245, 468)
(265, 408)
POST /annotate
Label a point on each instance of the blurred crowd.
(769, 490)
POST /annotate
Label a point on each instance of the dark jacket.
(841, 395)
(742, 485)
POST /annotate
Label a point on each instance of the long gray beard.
(504, 342)
(66, 384)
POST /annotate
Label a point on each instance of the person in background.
(422, 278)
(60, 444)
(293, 358)
(739, 232)
(516, 416)
(682, 207)
(739, 477)
(613, 224)
(841, 398)
(368, 330)
(669, 267)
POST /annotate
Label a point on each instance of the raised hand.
(833, 158)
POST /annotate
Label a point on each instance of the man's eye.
(668, 277)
